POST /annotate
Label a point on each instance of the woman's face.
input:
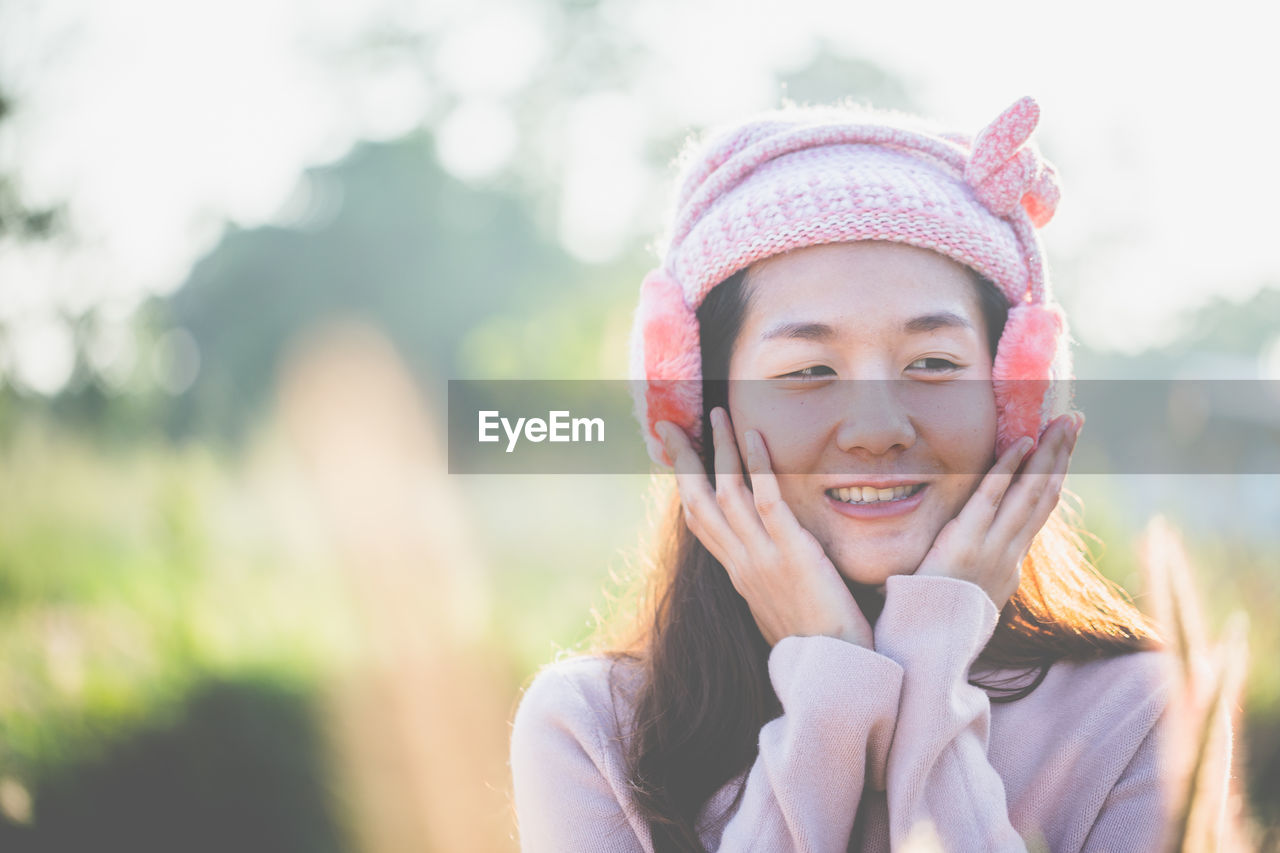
(873, 467)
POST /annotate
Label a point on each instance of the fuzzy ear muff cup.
(666, 352)
(1029, 366)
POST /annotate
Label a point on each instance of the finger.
(981, 508)
(774, 513)
(1019, 539)
(731, 490)
(1044, 458)
(1057, 478)
(702, 514)
(1038, 497)
(1036, 468)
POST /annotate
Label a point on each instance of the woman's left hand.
(986, 542)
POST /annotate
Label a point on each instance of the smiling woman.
(870, 620)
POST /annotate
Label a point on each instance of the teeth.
(867, 494)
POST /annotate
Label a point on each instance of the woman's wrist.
(859, 636)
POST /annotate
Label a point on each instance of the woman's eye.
(816, 372)
(933, 365)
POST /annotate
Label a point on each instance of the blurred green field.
(176, 625)
(161, 655)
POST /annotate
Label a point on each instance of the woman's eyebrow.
(814, 331)
(805, 330)
(938, 320)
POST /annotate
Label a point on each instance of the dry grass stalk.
(1207, 679)
(421, 721)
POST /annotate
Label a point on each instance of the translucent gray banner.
(910, 427)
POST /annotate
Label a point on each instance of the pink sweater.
(1074, 766)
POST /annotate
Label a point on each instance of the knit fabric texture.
(875, 747)
(802, 178)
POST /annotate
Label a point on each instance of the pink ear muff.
(1022, 373)
(668, 366)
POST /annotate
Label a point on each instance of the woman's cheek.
(792, 433)
(965, 405)
(958, 425)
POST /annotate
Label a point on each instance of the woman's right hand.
(778, 567)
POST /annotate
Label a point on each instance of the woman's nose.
(874, 419)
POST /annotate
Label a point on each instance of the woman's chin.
(872, 576)
(864, 579)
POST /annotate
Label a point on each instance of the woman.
(870, 624)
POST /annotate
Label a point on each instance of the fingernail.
(661, 429)
(753, 442)
(1024, 445)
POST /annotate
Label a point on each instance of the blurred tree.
(1222, 339)
(387, 237)
(17, 219)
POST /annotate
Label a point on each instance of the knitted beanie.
(799, 178)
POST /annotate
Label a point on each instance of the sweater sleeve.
(839, 704)
(938, 772)
(801, 794)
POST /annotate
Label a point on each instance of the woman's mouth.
(861, 495)
(868, 502)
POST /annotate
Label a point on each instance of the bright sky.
(157, 121)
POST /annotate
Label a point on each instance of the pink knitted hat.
(802, 178)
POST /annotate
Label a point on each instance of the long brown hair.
(703, 689)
